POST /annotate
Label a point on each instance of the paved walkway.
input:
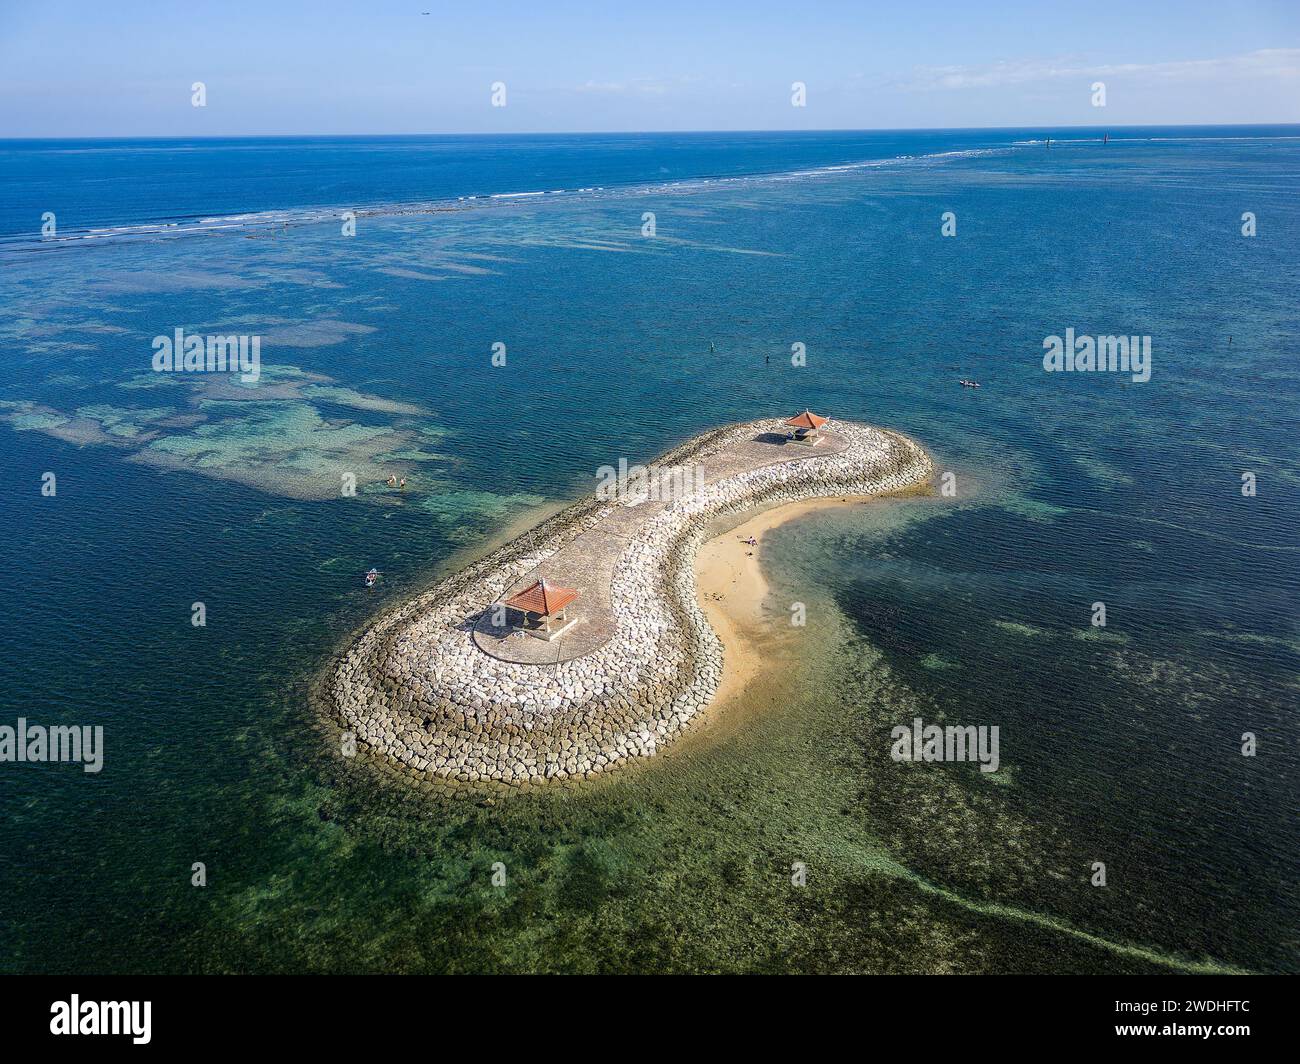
(587, 563)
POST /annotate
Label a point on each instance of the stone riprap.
(417, 689)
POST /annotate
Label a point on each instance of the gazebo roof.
(542, 597)
(807, 420)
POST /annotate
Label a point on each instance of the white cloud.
(637, 86)
(1269, 64)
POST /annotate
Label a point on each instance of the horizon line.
(649, 132)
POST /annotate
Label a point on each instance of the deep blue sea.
(107, 186)
(647, 287)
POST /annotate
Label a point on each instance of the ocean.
(642, 289)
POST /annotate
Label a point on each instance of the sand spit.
(419, 688)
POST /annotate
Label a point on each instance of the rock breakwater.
(417, 689)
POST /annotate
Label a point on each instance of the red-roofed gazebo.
(542, 605)
(807, 427)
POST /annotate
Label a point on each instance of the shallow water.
(1119, 744)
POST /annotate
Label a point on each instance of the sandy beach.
(733, 593)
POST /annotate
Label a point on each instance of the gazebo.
(541, 606)
(807, 428)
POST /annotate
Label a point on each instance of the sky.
(292, 68)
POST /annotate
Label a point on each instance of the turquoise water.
(1119, 744)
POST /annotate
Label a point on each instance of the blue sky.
(125, 68)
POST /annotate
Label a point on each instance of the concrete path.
(587, 564)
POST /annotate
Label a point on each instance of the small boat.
(371, 577)
(969, 384)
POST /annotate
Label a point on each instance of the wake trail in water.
(1003, 911)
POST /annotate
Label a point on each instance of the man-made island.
(580, 644)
